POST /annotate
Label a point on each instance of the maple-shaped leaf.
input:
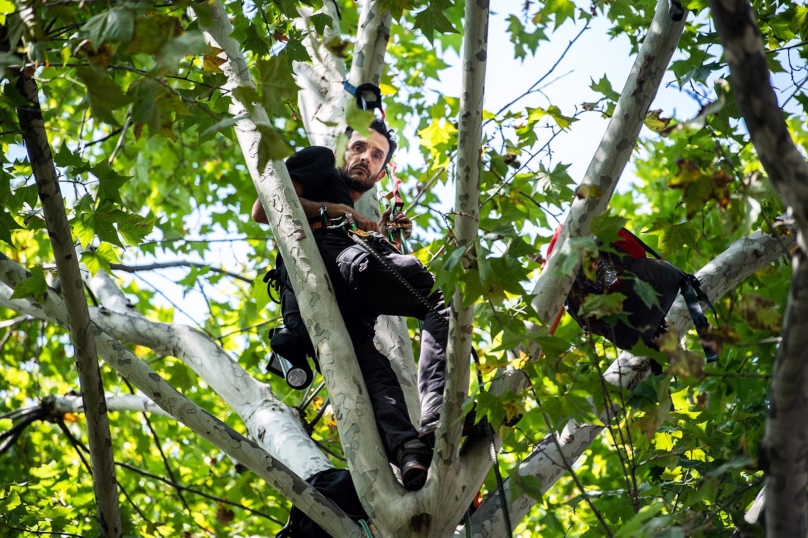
(109, 183)
(276, 83)
(33, 286)
(433, 20)
(105, 96)
(7, 223)
(397, 7)
(212, 61)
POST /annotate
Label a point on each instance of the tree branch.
(461, 320)
(126, 402)
(321, 509)
(178, 263)
(78, 317)
(612, 155)
(782, 453)
(355, 419)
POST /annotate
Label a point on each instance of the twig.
(577, 480)
(121, 140)
(197, 492)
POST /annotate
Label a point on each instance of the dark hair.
(380, 127)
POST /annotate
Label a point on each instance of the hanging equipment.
(368, 96)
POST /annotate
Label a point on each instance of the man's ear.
(381, 175)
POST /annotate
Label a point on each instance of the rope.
(489, 430)
(366, 528)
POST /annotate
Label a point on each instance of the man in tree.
(366, 289)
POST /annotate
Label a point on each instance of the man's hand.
(364, 223)
(400, 220)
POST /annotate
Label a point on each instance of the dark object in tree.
(622, 266)
(675, 10)
(336, 484)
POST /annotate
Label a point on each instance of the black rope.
(492, 450)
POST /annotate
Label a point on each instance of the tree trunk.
(78, 317)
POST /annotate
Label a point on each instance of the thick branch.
(321, 509)
(78, 317)
(742, 259)
(612, 155)
(355, 420)
(467, 205)
(784, 445)
(126, 402)
(750, 79)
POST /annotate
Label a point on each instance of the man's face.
(364, 160)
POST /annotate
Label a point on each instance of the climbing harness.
(368, 96)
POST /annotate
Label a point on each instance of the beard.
(358, 181)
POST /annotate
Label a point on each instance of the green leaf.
(524, 41)
(100, 258)
(259, 294)
(134, 228)
(105, 96)
(523, 485)
(64, 157)
(606, 226)
(271, 147)
(120, 25)
(433, 20)
(673, 237)
(397, 7)
(320, 21)
(359, 119)
(277, 84)
(109, 183)
(33, 286)
(602, 306)
(247, 96)
(7, 224)
(187, 44)
(646, 293)
(295, 51)
(535, 114)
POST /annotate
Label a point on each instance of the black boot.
(414, 458)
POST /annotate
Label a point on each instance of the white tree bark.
(321, 509)
(108, 514)
(593, 195)
(125, 402)
(384, 498)
(322, 101)
(276, 427)
(467, 223)
(743, 258)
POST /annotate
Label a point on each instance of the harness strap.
(688, 289)
(368, 96)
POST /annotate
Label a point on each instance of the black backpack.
(617, 271)
(336, 484)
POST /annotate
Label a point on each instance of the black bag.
(336, 484)
(291, 344)
(616, 272)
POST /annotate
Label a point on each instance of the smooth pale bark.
(593, 195)
(125, 402)
(322, 101)
(785, 444)
(467, 223)
(321, 509)
(78, 318)
(276, 427)
(743, 258)
(385, 500)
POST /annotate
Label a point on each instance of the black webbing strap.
(368, 96)
(645, 247)
(692, 294)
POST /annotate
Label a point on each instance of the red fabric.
(630, 245)
(552, 243)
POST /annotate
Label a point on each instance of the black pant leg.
(344, 264)
(381, 292)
